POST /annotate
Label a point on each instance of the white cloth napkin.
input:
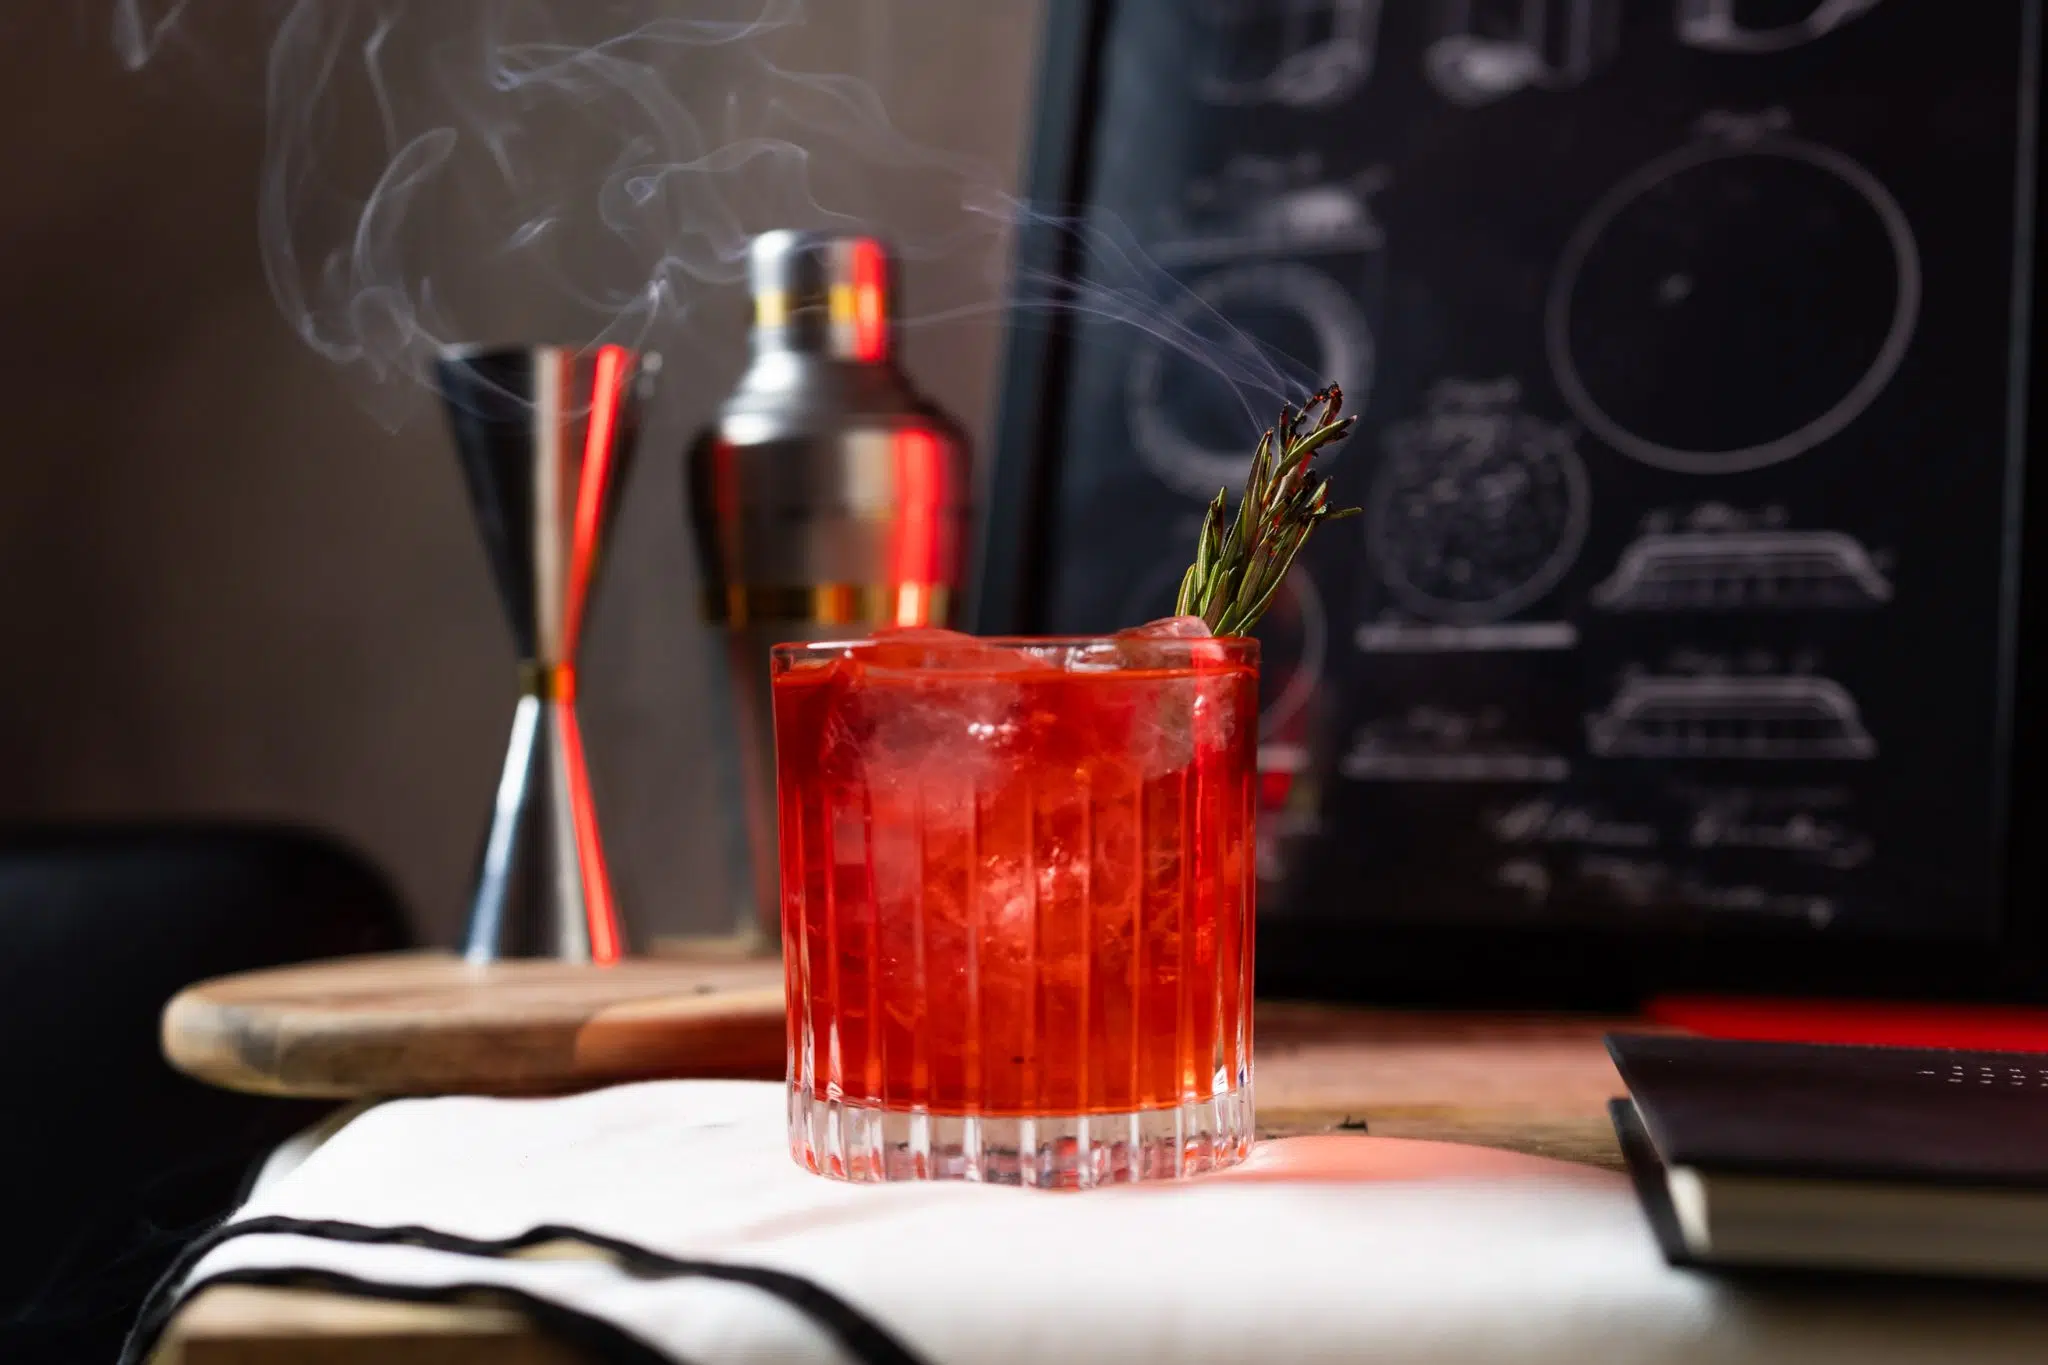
(1549, 1264)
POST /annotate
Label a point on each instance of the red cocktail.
(1017, 886)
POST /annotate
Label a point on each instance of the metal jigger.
(545, 434)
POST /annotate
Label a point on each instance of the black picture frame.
(1522, 966)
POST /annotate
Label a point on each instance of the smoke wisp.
(500, 170)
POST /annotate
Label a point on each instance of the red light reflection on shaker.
(870, 313)
(916, 546)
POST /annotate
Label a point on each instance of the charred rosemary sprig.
(1236, 573)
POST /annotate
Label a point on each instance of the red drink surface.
(1012, 889)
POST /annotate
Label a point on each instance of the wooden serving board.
(430, 1024)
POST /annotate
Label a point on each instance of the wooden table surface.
(1525, 1083)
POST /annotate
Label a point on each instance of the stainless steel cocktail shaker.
(828, 497)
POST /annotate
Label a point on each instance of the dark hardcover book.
(1899, 1159)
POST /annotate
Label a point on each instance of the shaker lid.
(824, 293)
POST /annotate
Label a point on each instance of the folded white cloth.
(1527, 1264)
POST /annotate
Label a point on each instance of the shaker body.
(828, 499)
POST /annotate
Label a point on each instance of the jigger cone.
(545, 435)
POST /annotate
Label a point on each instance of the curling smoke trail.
(497, 169)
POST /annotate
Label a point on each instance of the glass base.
(1059, 1151)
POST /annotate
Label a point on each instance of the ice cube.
(926, 647)
(914, 647)
(1169, 628)
(1155, 644)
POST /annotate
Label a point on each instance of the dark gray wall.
(226, 590)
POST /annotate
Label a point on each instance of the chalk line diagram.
(1302, 54)
(1477, 508)
(1764, 569)
(1486, 50)
(1766, 717)
(1259, 206)
(1717, 25)
(1437, 744)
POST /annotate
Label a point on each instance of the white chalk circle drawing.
(1299, 311)
(1733, 304)
(1305, 54)
(1478, 508)
(1294, 641)
(1716, 26)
